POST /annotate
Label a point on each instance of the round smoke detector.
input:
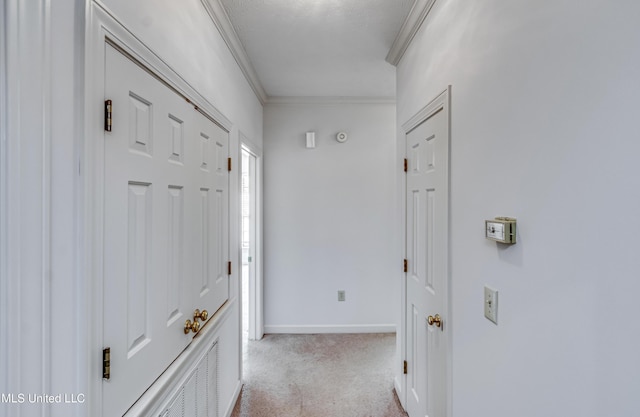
(341, 137)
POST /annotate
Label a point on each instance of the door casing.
(256, 319)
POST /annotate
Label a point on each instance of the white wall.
(544, 128)
(328, 218)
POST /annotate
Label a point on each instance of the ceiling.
(320, 48)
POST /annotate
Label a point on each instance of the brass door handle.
(202, 315)
(194, 326)
(191, 326)
(437, 320)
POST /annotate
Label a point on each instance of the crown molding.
(299, 100)
(410, 27)
(221, 20)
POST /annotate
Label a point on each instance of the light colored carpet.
(325, 375)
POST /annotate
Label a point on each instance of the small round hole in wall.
(341, 137)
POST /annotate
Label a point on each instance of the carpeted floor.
(325, 375)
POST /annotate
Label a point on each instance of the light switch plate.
(491, 304)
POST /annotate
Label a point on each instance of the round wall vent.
(341, 137)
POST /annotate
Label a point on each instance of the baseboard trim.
(397, 386)
(234, 400)
(343, 328)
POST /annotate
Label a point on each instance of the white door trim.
(25, 201)
(442, 102)
(4, 273)
(258, 289)
(103, 27)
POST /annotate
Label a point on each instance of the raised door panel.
(138, 255)
(175, 253)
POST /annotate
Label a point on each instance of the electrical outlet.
(341, 295)
(491, 304)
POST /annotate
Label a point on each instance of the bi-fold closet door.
(166, 226)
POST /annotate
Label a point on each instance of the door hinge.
(406, 266)
(229, 268)
(404, 367)
(406, 165)
(107, 115)
(228, 164)
(106, 363)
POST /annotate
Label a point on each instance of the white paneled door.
(427, 263)
(166, 225)
(209, 213)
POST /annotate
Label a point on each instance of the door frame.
(5, 312)
(256, 292)
(442, 102)
(102, 28)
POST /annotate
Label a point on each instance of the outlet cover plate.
(491, 304)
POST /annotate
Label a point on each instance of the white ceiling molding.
(410, 27)
(221, 21)
(298, 100)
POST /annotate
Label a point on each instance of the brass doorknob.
(191, 326)
(437, 320)
(202, 315)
